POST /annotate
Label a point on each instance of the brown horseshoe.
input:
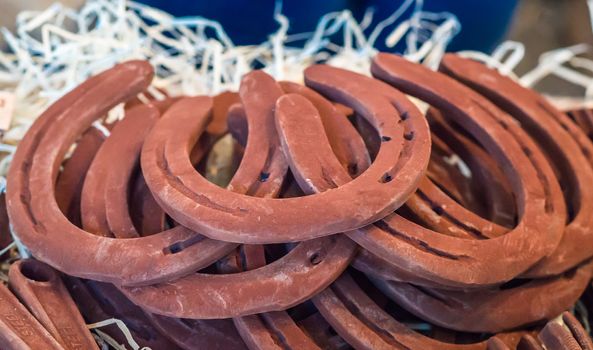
(472, 263)
(139, 120)
(364, 325)
(293, 109)
(491, 310)
(41, 289)
(277, 330)
(106, 305)
(564, 143)
(570, 337)
(70, 180)
(39, 222)
(104, 203)
(238, 218)
(306, 269)
(487, 176)
(378, 240)
(19, 330)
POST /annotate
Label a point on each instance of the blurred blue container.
(484, 23)
(251, 22)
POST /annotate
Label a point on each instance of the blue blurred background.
(542, 25)
(484, 23)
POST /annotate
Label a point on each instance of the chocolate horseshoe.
(104, 203)
(529, 303)
(570, 337)
(265, 331)
(310, 265)
(195, 203)
(70, 180)
(568, 146)
(487, 177)
(19, 330)
(39, 222)
(41, 289)
(472, 263)
(364, 325)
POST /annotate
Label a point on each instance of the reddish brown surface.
(41, 289)
(320, 168)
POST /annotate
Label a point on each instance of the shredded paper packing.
(52, 51)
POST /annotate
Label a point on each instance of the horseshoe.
(37, 219)
(364, 325)
(113, 304)
(104, 203)
(70, 180)
(584, 119)
(491, 310)
(569, 148)
(265, 331)
(310, 265)
(335, 77)
(18, 328)
(571, 337)
(195, 203)
(471, 263)
(291, 109)
(42, 291)
(487, 176)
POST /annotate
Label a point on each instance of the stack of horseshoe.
(352, 220)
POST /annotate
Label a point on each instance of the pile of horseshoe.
(352, 219)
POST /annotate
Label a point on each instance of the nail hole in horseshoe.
(385, 138)
(352, 168)
(409, 136)
(404, 116)
(315, 258)
(438, 210)
(175, 248)
(386, 178)
(36, 271)
(263, 176)
(181, 245)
